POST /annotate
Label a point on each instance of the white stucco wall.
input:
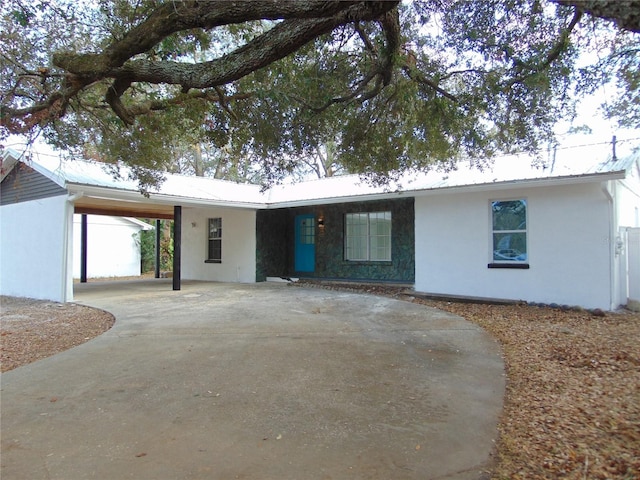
(568, 246)
(238, 245)
(112, 250)
(35, 249)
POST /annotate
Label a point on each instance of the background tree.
(389, 87)
(146, 239)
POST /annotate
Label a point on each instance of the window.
(307, 231)
(509, 222)
(368, 236)
(214, 253)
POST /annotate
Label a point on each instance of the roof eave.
(346, 199)
(158, 198)
(135, 196)
(526, 183)
(498, 185)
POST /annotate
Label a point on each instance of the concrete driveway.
(264, 381)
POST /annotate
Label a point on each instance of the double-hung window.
(214, 245)
(368, 236)
(509, 236)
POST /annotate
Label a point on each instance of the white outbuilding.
(113, 246)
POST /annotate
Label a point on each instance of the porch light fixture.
(321, 222)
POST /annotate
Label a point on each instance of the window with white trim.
(368, 236)
(214, 245)
(509, 231)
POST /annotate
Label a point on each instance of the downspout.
(65, 296)
(607, 190)
(67, 256)
(75, 196)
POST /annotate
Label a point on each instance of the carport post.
(158, 233)
(83, 248)
(177, 245)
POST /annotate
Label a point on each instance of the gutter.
(440, 190)
(126, 195)
(66, 293)
(132, 196)
(606, 189)
(365, 197)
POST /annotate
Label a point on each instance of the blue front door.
(305, 246)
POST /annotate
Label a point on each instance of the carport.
(86, 204)
(188, 201)
(42, 196)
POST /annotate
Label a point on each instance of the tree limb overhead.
(300, 23)
(625, 13)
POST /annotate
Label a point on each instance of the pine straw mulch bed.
(572, 405)
(34, 329)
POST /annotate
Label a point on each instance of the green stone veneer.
(275, 243)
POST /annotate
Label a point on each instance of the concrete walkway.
(264, 381)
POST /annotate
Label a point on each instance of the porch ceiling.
(121, 208)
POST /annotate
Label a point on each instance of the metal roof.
(94, 180)
(504, 172)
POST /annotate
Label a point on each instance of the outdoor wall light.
(194, 224)
(321, 222)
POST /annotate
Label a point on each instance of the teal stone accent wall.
(275, 243)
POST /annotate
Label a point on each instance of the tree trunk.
(198, 165)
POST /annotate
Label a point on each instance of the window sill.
(369, 262)
(213, 261)
(517, 266)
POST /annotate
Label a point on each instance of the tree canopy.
(376, 87)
